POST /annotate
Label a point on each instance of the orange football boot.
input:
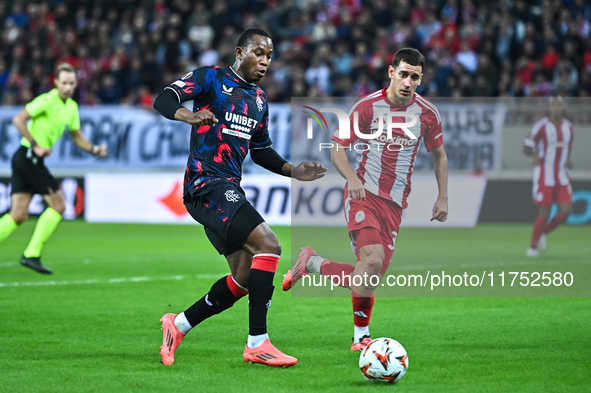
(267, 354)
(171, 338)
(299, 270)
(360, 346)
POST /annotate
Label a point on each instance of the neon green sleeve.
(75, 123)
(38, 105)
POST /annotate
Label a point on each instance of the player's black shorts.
(30, 175)
(228, 218)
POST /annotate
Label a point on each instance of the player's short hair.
(410, 56)
(246, 36)
(65, 67)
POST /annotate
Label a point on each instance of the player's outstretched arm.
(269, 159)
(305, 171)
(440, 168)
(80, 140)
(339, 158)
(167, 105)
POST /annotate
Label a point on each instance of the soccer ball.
(384, 359)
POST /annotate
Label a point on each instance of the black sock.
(260, 287)
(218, 299)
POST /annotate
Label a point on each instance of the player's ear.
(238, 51)
(390, 71)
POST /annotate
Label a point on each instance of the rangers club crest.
(259, 102)
(232, 196)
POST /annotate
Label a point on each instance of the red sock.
(236, 289)
(539, 227)
(556, 221)
(362, 307)
(340, 273)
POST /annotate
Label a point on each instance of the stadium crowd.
(126, 51)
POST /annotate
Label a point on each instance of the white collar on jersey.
(241, 78)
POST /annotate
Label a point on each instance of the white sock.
(182, 324)
(313, 264)
(359, 332)
(255, 341)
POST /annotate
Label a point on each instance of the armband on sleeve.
(269, 159)
(167, 104)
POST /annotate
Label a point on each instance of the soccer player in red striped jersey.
(550, 143)
(377, 189)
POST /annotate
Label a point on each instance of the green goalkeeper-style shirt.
(50, 117)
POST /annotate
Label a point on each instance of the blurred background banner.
(74, 196)
(136, 138)
(158, 197)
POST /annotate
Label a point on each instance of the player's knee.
(271, 246)
(373, 263)
(266, 243)
(566, 211)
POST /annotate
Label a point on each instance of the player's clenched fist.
(202, 118)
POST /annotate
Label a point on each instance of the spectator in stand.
(171, 36)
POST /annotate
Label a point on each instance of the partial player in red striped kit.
(550, 143)
(377, 189)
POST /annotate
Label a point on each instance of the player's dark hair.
(410, 56)
(246, 36)
(64, 67)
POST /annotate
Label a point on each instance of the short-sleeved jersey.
(384, 165)
(50, 117)
(553, 142)
(218, 151)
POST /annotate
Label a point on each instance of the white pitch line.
(7, 264)
(107, 281)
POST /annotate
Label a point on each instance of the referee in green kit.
(50, 114)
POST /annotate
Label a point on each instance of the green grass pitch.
(94, 325)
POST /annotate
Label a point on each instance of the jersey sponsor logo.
(242, 120)
(236, 133)
(239, 125)
(359, 216)
(227, 90)
(232, 196)
(187, 75)
(398, 140)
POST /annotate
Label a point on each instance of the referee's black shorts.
(228, 218)
(30, 175)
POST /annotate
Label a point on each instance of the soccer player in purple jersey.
(230, 117)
